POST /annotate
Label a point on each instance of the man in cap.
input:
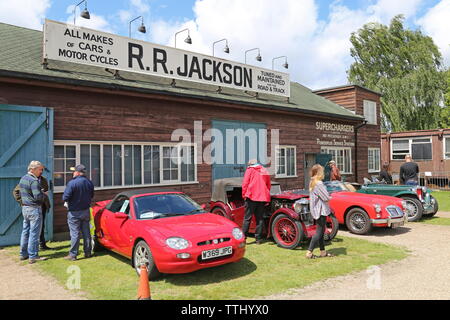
(78, 195)
(335, 174)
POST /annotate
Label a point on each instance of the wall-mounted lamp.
(285, 64)
(226, 49)
(188, 40)
(258, 57)
(84, 14)
(141, 28)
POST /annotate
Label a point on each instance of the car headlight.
(177, 243)
(237, 233)
(377, 208)
(404, 204)
(297, 207)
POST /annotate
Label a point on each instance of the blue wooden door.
(234, 144)
(26, 134)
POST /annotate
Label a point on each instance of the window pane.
(70, 152)
(59, 152)
(95, 164)
(85, 157)
(155, 164)
(137, 158)
(400, 145)
(107, 165)
(69, 164)
(59, 166)
(128, 165)
(117, 165)
(184, 163)
(148, 164)
(421, 151)
(58, 179)
(191, 170)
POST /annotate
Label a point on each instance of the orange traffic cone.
(144, 286)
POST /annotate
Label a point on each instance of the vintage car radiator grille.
(213, 241)
(394, 211)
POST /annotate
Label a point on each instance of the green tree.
(406, 67)
(445, 111)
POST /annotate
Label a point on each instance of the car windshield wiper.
(196, 211)
(165, 215)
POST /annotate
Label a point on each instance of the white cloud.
(436, 23)
(25, 13)
(318, 50)
(95, 22)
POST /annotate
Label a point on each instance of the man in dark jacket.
(32, 197)
(78, 196)
(45, 207)
(409, 172)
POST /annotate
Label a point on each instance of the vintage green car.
(418, 199)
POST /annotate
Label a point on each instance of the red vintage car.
(167, 231)
(288, 219)
(361, 212)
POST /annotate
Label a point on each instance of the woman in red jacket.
(256, 193)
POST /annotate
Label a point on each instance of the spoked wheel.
(413, 208)
(358, 221)
(287, 232)
(143, 256)
(219, 212)
(331, 227)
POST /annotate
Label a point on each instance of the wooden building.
(430, 149)
(122, 126)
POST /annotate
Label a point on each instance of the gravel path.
(425, 274)
(21, 281)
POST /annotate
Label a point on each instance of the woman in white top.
(320, 209)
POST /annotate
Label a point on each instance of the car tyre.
(143, 255)
(415, 210)
(358, 221)
(332, 226)
(287, 232)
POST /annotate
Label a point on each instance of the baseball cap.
(79, 168)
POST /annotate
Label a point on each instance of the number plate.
(214, 253)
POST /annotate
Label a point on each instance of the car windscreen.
(165, 205)
(335, 186)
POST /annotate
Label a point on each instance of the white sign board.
(74, 44)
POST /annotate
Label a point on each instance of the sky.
(313, 34)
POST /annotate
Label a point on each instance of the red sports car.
(167, 231)
(360, 212)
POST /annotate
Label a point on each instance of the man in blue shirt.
(78, 196)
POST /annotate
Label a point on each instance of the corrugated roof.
(21, 57)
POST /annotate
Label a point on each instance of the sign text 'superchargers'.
(74, 44)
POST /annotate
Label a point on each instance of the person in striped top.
(320, 209)
(32, 197)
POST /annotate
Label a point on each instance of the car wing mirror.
(121, 215)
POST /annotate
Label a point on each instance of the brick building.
(121, 127)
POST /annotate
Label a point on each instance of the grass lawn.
(265, 270)
(443, 198)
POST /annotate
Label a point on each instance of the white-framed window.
(447, 147)
(370, 111)
(374, 159)
(112, 165)
(286, 161)
(342, 156)
(420, 148)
